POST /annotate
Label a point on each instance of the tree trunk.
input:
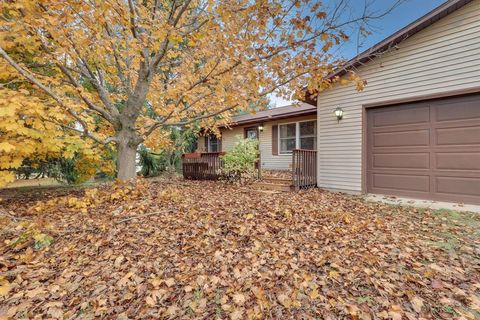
(127, 138)
(126, 159)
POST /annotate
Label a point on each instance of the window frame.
(209, 148)
(246, 129)
(314, 135)
(280, 152)
(297, 135)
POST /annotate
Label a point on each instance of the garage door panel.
(401, 160)
(457, 110)
(404, 182)
(458, 136)
(434, 157)
(402, 116)
(458, 186)
(402, 138)
(457, 161)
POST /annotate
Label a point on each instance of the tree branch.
(45, 89)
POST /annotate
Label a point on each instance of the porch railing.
(207, 165)
(304, 168)
(202, 166)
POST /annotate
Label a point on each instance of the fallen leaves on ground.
(206, 250)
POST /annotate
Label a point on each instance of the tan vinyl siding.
(441, 58)
(201, 147)
(269, 161)
(229, 137)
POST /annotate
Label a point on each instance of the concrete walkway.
(423, 203)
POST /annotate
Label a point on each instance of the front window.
(288, 137)
(297, 135)
(251, 133)
(308, 135)
(213, 144)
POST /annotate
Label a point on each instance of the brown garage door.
(427, 150)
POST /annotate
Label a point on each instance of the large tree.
(120, 71)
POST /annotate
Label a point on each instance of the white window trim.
(297, 135)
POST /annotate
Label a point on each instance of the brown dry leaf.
(395, 312)
(55, 313)
(353, 310)
(4, 287)
(395, 315)
(417, 303)
(150, 301)
(475, 303)
(334, 274)
(172, 310)
(118, 261)
(239, 299)
(125, 279)
(170, 282)
(314, 294)
(437, 284)
(237, 314)
(365, 316)
(36, 292)
(284, 300)
(293, 255)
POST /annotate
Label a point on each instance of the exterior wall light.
(339, 113)
(260, 127)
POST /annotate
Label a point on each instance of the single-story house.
(278, 130)
(414, 130)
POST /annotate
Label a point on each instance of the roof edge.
(297, 113)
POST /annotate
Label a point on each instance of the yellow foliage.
(4, 287)
(71, 70)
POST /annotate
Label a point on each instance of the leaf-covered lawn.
(208, 250)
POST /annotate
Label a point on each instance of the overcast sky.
(404, 14)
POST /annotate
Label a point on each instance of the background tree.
(155, 160)
(121, 72)
(31, 141)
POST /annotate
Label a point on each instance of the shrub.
(152, 164)
(239, 163)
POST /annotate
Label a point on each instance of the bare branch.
(103, 113)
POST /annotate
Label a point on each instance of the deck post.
(259, 166)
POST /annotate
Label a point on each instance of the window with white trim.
(288, 137)
(308, 135)
(297, 135)
(213, 144)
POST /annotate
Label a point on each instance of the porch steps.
(277, 180)
(273, 184)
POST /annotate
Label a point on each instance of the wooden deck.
(207, 166)
(202, 166)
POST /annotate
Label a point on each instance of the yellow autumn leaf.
(314, 294)
(4, 287)
(7, 147)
